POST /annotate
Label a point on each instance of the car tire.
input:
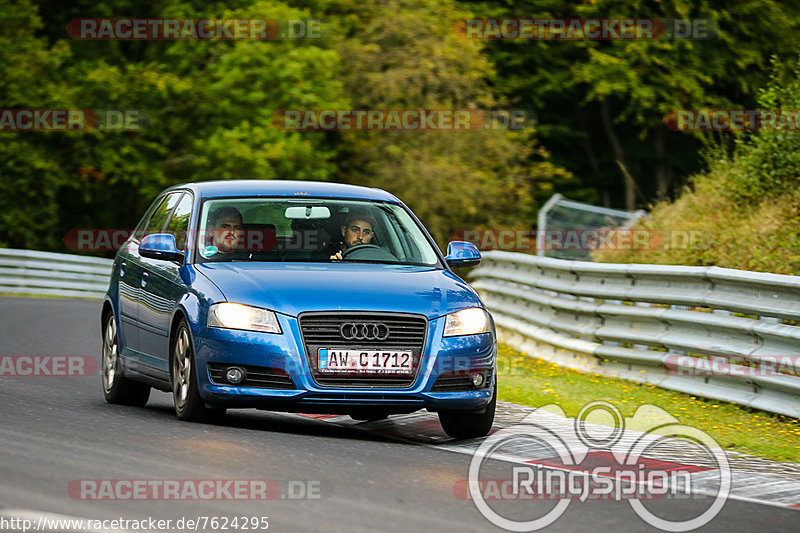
(118, 389)
(189, 405)
(469, 425)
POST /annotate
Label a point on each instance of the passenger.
(227, 234)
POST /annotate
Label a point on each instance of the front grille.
(323, 330)
(459, 381)
(260, 377)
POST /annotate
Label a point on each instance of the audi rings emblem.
(364, 331)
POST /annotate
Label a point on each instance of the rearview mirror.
(462, 254)
(307, 212)
(160, 246)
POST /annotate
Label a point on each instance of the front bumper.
(286, 352)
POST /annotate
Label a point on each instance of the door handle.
(145, 275)
(122, 267)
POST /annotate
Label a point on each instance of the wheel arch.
(108, 308)
(179, 316)
(188, 310)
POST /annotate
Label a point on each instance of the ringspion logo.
(549, 457)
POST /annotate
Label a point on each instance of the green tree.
(208, 106)
(744, 211)
(403, 54)
(609, 97)
(30, 172)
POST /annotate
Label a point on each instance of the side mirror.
(160, 246)
(462, 254)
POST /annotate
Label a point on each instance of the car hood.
(294, 288)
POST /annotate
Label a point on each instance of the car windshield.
(310, 229)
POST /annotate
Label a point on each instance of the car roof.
(287, 188)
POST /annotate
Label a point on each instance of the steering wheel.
(368, 252)
(358, 247)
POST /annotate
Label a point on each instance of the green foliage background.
(210, 105)
(744, 211)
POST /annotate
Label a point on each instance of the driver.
(357, 229)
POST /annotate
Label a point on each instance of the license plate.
(364, 361)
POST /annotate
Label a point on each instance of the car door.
(130, 279)
(162, 288)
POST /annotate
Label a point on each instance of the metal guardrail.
(718, 333)
(648, 323)
(47, 273)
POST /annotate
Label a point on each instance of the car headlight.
(238, 316)
(467, 322)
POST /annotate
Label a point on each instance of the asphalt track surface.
(59, 429)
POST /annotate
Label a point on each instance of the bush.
(744, 212)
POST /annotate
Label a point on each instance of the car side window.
(145, 220)
(178, 224)
(159, 217)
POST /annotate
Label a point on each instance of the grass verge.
(534, 382)
(33, 295)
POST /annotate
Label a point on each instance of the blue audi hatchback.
(296, 296)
